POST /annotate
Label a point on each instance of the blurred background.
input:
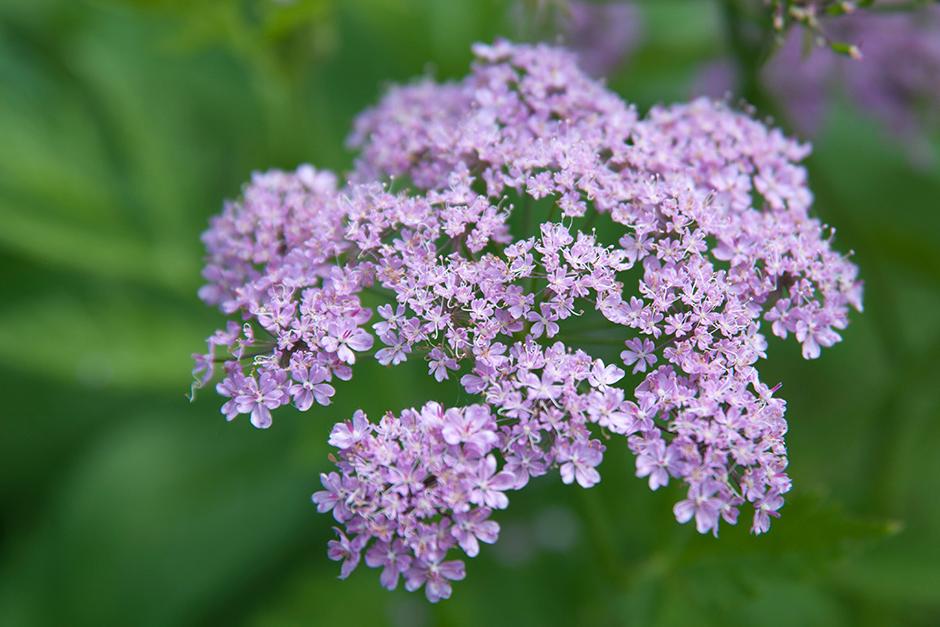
(123, 126)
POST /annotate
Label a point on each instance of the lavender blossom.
(410, 494)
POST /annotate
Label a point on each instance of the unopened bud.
(849, 50)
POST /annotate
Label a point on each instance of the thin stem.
(590, 220)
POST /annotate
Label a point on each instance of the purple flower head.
(712, 212)
(396, 477)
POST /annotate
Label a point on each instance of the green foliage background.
(124, 124)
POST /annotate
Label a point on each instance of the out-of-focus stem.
(750, 50)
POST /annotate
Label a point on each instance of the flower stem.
(750, 50)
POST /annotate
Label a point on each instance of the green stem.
(749, 49)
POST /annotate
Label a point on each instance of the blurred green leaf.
(52, 242)
(146, 500)
(102, 340)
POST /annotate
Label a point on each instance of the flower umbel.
(710, 209)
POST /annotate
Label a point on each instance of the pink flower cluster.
(418, 484)
(487, 259)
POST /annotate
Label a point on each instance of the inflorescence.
(710, 208)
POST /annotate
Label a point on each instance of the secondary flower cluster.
(419, 484)
(486, 258)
